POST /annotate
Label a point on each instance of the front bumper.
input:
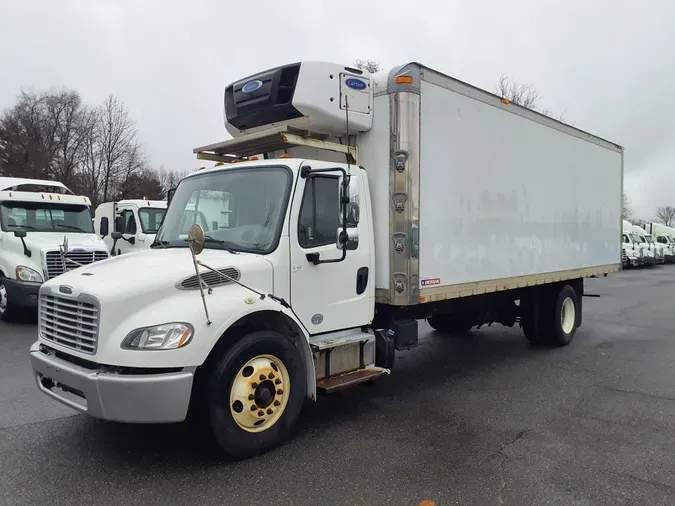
(132, 398)
(22, 294)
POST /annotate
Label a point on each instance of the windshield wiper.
(163, 244)
(71, 227)
(227, 245)
(26, 227)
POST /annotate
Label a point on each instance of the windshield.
(239, 209)
(649, 239)
(635, 238)
(45, 217)
(151, 219)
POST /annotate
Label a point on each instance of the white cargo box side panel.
(504, 196)
(374, 157)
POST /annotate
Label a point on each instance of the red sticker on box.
(431, 281)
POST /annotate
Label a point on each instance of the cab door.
(128, 243)
(334, 295)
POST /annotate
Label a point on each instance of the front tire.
(256, 393)
(8, 311)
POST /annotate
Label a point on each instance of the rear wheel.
(552, 319)
(256, 394)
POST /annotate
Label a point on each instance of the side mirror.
(351, 241)
(116, 235)
(169, 195)
(20, 233)
(105, 226)
(214, 225)
(120, 224)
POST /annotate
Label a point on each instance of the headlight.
(27, 274)
(168, 336)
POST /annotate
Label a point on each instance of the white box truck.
(45, 230)
(134, 223)
(358, 205)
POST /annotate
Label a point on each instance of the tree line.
(94, 150)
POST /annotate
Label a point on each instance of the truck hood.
(52, 240)
(144, 276)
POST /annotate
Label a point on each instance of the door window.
(319, 212)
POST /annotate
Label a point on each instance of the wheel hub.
(3, 298)
(568, 315)
(259, 393)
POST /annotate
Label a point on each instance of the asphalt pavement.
(484, 419)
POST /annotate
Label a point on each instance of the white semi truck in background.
(45, 230)
(134, 223)
(632, 250)
(656, 250)
(665, 236)
(358, 204)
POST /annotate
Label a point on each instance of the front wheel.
(256, 394)
(8, 311)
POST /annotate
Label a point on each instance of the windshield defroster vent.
(210, 278)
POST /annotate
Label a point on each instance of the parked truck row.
(648, 244)
(347, 208)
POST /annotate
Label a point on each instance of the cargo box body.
(472, 194)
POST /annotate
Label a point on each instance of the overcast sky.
(609, 65)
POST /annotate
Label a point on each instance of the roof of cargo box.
(408, 77)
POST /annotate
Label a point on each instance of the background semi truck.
(357, 206)
(137, 220)
(45, 230)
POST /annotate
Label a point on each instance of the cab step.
(349, 379)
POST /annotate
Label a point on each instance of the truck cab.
(650, 252)
(632, 251)
(45, 230)
(137, 220)
(665, 237)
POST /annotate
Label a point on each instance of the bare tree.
(522, 94)
(666, 215)
(626, 212)
(368, 65)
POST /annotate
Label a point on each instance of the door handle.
(361, 280)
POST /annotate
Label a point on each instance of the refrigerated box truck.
(358, 205)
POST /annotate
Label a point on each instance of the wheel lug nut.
(263, 377)
(254, 385)
(254, 407)
(277, 382)
(271, 375)
(251, 397)
(261, 413)
(269, 411)
(277, 403)
(280, 392)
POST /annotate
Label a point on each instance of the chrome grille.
(56, 265)
(69, 322)
(211, 278)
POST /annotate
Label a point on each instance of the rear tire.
(551, 321)
(248, 414)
